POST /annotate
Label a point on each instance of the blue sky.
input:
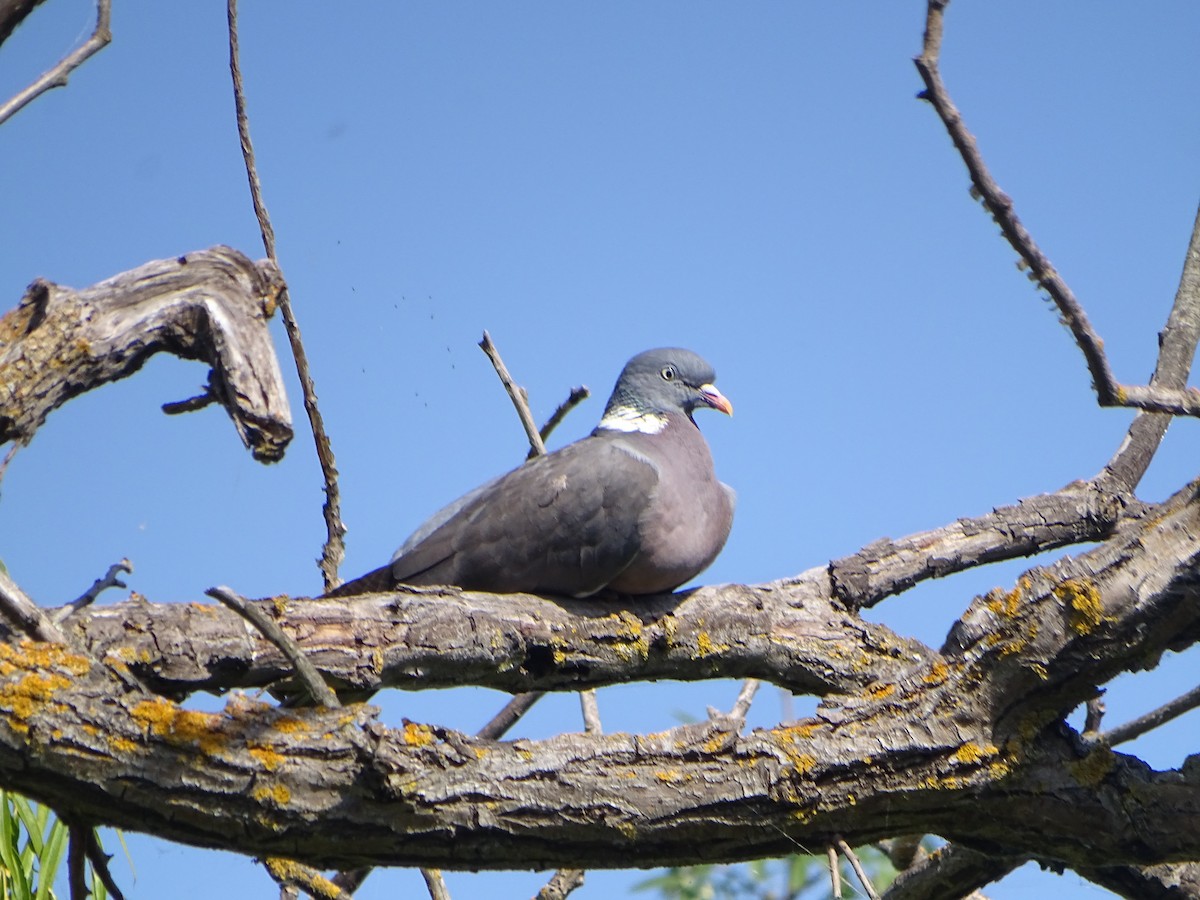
(754, 181)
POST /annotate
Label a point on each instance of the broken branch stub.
(211, 305)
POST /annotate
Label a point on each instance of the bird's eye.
(668, 373)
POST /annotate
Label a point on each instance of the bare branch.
(1001, 208)
(334, 549)
(211, 305)
(835, 871)
(1169, 881)
(59, 75)
(857, 865)
(77, 862)
(591, 712)
(561, 885)
(436, 884)
(577, 396)
(318, 690)
(99, 860)
(741, 706)
(1176, 350)
(1079, 512)
(517, 394)
(88, 597)
(1150, 720)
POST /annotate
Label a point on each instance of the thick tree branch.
(211, 305)
(951, 873)
(789, 634)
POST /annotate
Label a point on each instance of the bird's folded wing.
(566, 523)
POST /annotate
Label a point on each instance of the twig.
(1176, 350)
(1001, 207)
(27, 615)
(191, 404)
(436, 884)
(58, 76)
(305, 671)
(99, 860)
(1095, 714)
(8, 457)
(835, 874)
(509, 715)
(857, 865)
(1108, 391)
(591, 712)
(577, 396)
(563, 882)
(741, 706)
(334, 550)
(77, 862)
(88, 597)
(289, 873)
(517, 394)
(1150, 720)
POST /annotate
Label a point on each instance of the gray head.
(658, 382)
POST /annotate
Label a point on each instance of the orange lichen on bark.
(162, 718)
(1084, 606)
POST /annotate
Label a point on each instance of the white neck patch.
(626, 418)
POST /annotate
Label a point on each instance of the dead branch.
(211, 305)
(60, 73)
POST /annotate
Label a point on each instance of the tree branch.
(61, 73)
(210, 305)
(334, 549)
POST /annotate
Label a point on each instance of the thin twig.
(835, 873)
(334, 550)
(191, 404)
(307, 673)
(509, 715)
(436, 884)
(591, 712)
(1150, 720)
(1155, 397)
(1001, 207)
(58, 76)
(77, 862)
(88, 597)
(563, 882)
(27, 615)
(857, 865)
(741, 706)
(517, 393)
(99, 860)
(577, 396)
(8, 457)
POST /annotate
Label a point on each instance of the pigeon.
(634, 508)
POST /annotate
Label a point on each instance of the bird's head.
(658, 382)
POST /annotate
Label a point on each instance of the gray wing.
(565, 523)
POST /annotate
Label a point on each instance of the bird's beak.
(716, 399)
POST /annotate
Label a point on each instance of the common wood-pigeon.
(634, 508)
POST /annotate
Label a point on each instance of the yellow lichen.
(1082, 599)
(705, 645)
(290, 724)
(937, 673)
(277, 794)
(971, 752)
(267, 757)
(417, 735)
(121, 745)
(162, 718)
(878, 691)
